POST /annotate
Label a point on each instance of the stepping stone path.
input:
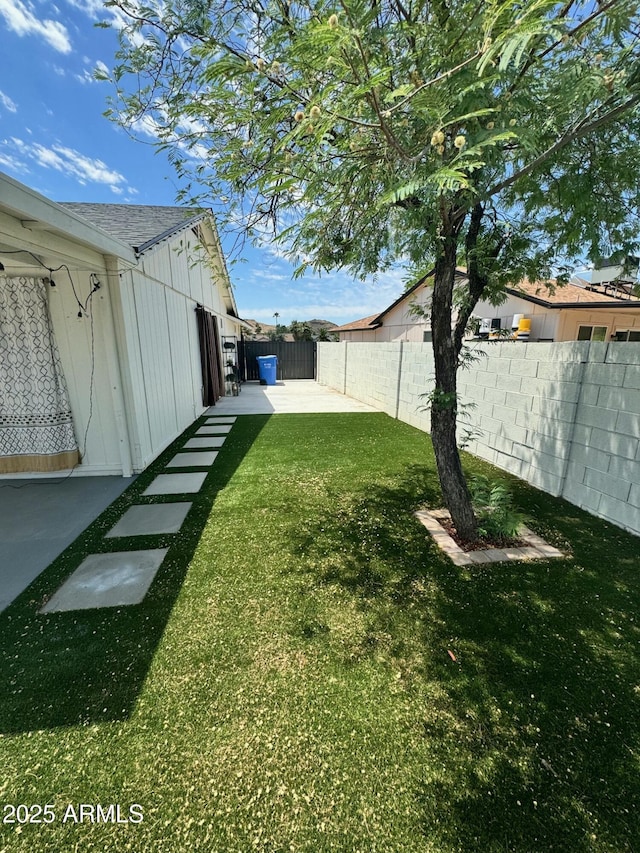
(108, 580)
(116, 579)
(149, 519)
(193, 460)
(203, 443)
(176, 484)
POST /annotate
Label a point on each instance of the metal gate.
(296, 359)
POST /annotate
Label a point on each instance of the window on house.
(626, 335)
(427, 337)
(592, 333)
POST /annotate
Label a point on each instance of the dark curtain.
(212, 381)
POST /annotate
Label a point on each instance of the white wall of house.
(544, 321)
(133, 366)
(158, 336)
(565, 417)
(86, 348)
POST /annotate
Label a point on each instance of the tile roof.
(567, 295)
(138, 225)
(358, 325)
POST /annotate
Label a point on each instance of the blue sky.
(54, 138)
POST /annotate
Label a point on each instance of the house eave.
(38, 213)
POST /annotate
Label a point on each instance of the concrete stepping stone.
(150, 519)
(202, 443)
(107, 580)
(193, 460)
(176, 484)
(220, 420)
(214, 429)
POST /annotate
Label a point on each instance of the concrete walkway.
(296, 396)
(40, 518)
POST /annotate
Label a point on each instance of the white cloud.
(332, 312)
(21, 19)
(334, 296)
(88, 75)
(148, 126)
(7, 103)
(72, 163)
(85, 77)
(96, 10)
(12, 164)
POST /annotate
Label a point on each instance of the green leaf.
(400, 92)
(401, 193)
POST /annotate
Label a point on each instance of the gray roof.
(138, 225)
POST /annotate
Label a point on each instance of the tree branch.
(582, 129)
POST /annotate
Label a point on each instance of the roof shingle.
(138, 225)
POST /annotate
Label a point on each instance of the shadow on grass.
(532, 724)
(88, 666)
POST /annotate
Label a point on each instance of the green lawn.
(287, 685)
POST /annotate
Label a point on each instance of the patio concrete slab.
(176, 484)
(202, 443)
(295, 396)
(107, 580)
(221, 420)
(39, 518)
(151, 519)
(203, 458)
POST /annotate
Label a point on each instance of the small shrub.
(493, 505)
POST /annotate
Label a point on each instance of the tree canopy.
(344, 125)
(498, 135)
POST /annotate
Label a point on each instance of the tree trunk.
(444, 399)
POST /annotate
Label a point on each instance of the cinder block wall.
(371, 373)
(563, 416)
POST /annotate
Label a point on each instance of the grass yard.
(309, 673)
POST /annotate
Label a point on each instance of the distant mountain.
(316, 325)
(265, 328)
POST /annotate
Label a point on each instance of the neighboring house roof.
(37, 213)
(564, 296)
(371, 322)
(570, 296)
(376, 320)
(139, 225)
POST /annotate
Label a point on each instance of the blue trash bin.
(267, 366)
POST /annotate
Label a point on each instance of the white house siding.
(544, 321)
(90, 384)
(142, 386)
(158, 337)
(153, 396)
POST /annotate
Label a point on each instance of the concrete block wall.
(330, 368)
(371, 374)
(416, 381)
(563, 416)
